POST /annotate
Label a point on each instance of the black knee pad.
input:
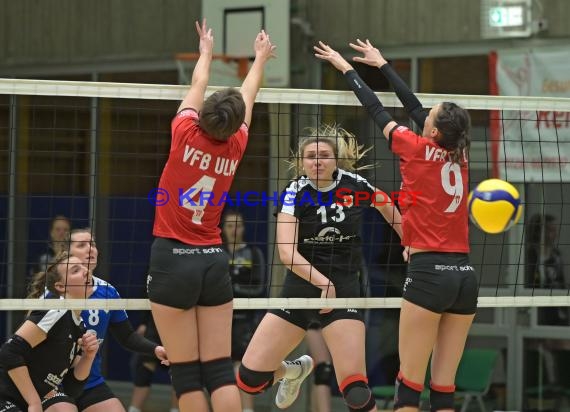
(253, 382)
(186, 377)
(356, 393)
(323, 373)
(143, 376)
(441, 397)
(408, 393)
(217, 373)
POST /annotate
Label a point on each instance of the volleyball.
(494, 206)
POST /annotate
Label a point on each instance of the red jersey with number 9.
(433, 197)
(195, 182)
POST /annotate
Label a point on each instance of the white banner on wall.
(534, 146)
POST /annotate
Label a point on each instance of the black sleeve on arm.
(408, 99)
(368, 99)
(71, 385)
(14, 352)
(146, 317)
(128, 338)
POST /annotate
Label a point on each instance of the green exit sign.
(506, 16)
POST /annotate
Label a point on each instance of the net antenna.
(225, 70)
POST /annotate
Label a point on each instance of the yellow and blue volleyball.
(494, 206)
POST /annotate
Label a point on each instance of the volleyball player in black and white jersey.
(318, 236)
(40, 366)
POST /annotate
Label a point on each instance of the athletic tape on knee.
(186, 377)
(441, 397)
(143, 376)
(253, 382)
(217, 373)
(323, 373)
(408, 393)
(356, 393)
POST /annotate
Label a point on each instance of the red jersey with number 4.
(196, 181)
(433, 197)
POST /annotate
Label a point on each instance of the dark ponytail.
(453, 123)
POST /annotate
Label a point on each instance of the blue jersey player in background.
(97, 396)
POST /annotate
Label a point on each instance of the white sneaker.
(288, 389)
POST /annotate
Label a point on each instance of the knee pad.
(356, 393)
(217, 373)
(323, 373)
(253, 382)
(441, 397)
(186, 377)
(143, 375)
(408, 393)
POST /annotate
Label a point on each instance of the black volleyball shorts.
(183, 276)
(442, 282)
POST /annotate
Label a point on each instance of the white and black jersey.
(330, 221)
(49, 361)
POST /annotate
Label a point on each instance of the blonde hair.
(47, 280)
(346, 149)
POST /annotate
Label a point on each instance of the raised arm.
(264, 51)
(364, 93)
(373, 57)
(195, 97)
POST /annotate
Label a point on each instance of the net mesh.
(93, 152)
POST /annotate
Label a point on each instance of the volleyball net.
(93, 152)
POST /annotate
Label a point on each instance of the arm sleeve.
(146, 317)
(14, 352)
(129, 339)
(368, 99)
(411, 103)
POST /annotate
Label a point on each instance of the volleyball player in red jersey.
(440, 290)
(188, 283)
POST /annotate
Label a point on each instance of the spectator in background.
(59, 227)
(144, 367)
(249, 280)
(545, 358)
(544, 267)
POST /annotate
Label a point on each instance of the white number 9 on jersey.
(455, 190)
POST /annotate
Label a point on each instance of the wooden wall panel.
(60, 31)
(69, 31)
(406, 22)
(557, 13)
